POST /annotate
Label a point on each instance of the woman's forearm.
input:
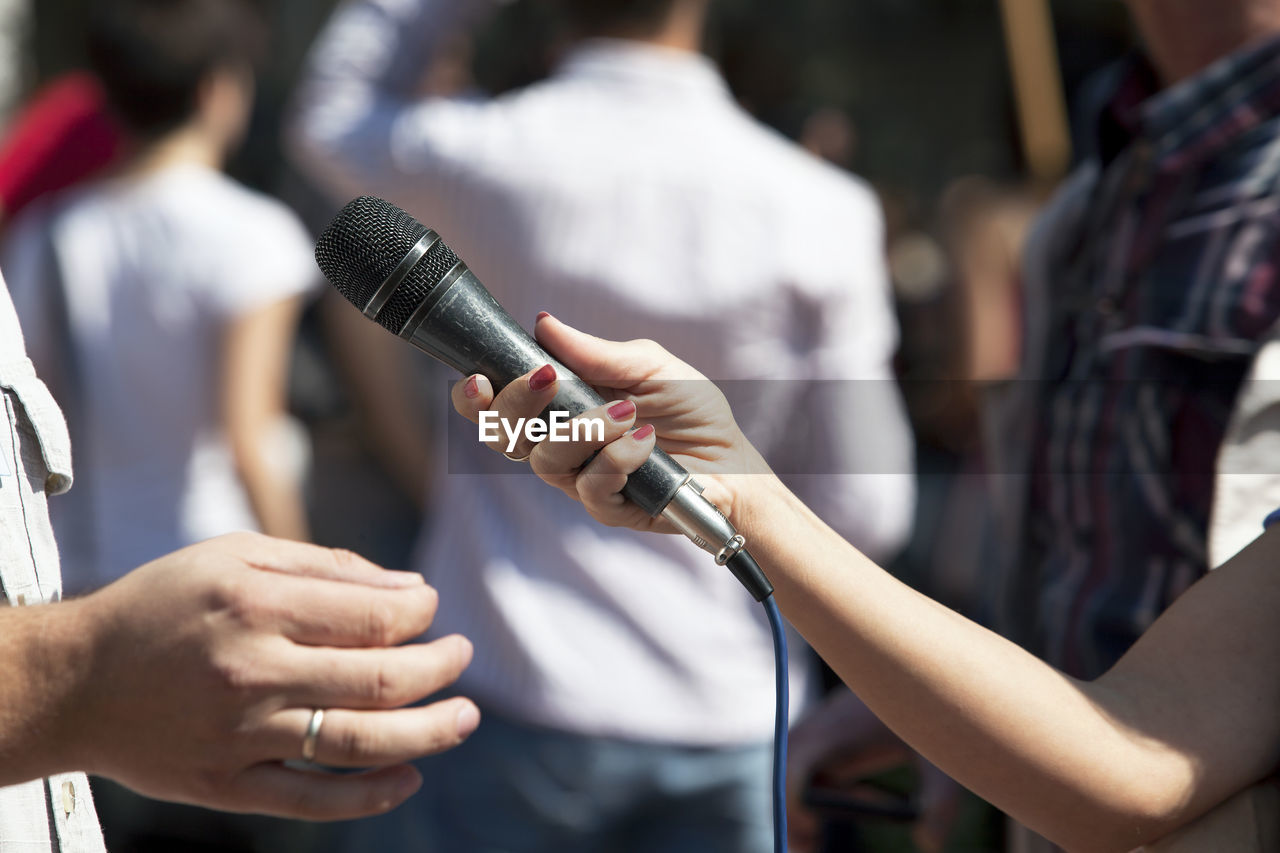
(255, 367)
(1040, 745)
(273, 493)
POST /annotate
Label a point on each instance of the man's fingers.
(313, 561)
(374, 678)
(322, 613)
(310, 795)
(377, 738)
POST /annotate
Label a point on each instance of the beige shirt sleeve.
(54, 814)
(1247, 479)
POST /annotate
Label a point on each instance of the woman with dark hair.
(162, 300)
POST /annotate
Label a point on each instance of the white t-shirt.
(153, 270)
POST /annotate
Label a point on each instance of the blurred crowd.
(163, 170)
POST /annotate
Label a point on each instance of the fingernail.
(407, 787)
(465, 649)
(542, 315)
(542, 380)
(468, 720)
(472, 387)
(622, 411)
(643, 433)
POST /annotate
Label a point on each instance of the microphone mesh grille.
(428, 272)
(364, 244)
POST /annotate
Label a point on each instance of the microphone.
(403, 276)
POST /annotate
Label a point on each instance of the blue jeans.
(516, 789)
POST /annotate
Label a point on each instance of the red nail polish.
(643, 433)
(542, 380)
(622, 411)
(542, 315)
(471, 387)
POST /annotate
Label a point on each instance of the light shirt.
(153, 269)
(630, 196)
(57, 813)
(1246, 481)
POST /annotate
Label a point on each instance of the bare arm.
(44, 657)
(359, 125)
(1186, 719)
(255, 371)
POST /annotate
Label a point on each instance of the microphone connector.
(706, 526)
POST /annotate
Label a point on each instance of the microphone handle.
(461, 324)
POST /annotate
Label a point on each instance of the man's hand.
(200, 672)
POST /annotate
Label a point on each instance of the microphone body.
(403, 276)
(462, 325)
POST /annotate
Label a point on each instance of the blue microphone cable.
(779, 726)
(742, 564)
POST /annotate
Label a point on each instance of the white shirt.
(1246, 485)
(631, 197)
(153, 270)
(56, 813)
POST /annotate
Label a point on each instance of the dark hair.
(617, 17)
(152, 55)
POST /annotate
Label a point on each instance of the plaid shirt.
(1154, 278)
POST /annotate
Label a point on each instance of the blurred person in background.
(161, 301)
(375, 370)
(985, 226)
(625, 680)
(1150, 282)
